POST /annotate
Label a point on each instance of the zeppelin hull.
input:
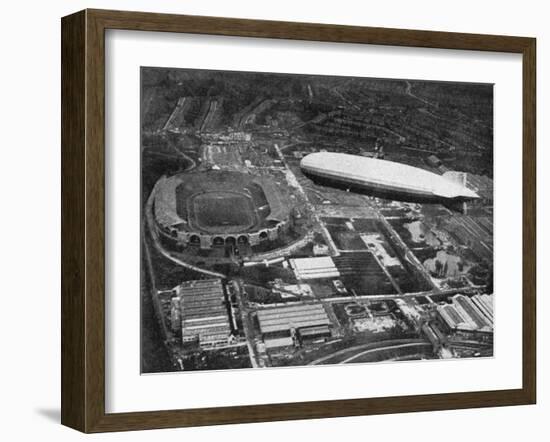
(382, 178)
(372, 189)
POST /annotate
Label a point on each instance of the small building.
(285, 341)
(339, 286)
(320, 249)
(286, 290)
(434, 161)
(313, 333)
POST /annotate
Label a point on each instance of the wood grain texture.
(529, 221)
(73, 256)
(83, 220)
(144, 21)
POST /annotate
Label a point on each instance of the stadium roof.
(279, 208)
(194, 184)
(383, 174)
(165, 201)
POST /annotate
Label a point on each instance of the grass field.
(223, 211)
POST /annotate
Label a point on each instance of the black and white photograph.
(251, 221)
(301, 220)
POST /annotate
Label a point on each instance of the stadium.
(382, 178)
(216, 208)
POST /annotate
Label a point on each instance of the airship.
(383, 178)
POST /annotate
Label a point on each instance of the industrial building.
(313, 268)
(467, 308)
(434, 161)
(453, 319)
(465, 315)
(200, 311)
(279, 326)
(485, 305)
(382, 176)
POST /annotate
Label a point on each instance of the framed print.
(270, 220)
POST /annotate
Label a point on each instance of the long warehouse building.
(200, 311)
(278, 325)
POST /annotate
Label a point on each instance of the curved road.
(374, 350)
(374, 346)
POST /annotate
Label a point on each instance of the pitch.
(223, 212)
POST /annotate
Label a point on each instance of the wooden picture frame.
(83, 220)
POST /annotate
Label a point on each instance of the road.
(370, 346)
(177, 109)
(410, 256)
(154, 291)
(247, 326)
(408, 91)
(374, 350)
(293, 181)
(191, 161)
(385, 270)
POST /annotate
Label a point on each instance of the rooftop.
(317, 267)
(203, 310)
(298, 316)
